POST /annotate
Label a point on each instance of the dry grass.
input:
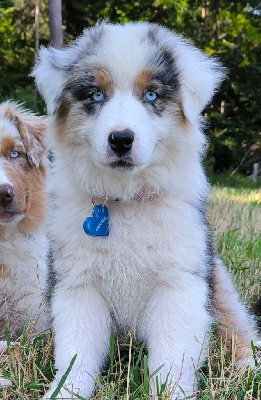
(28, 365)
(235, 216)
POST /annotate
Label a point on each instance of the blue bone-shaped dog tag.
(98, 224)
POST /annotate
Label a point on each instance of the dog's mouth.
(7, 217)
(122, 164)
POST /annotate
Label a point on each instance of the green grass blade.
(63, 379)
(7, 336)
(111, 352)
(23, 337)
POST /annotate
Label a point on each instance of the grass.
(235, 217)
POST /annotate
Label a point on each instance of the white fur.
(22, 294)
(150, 275)
(3, 177)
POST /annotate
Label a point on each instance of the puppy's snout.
(121, 141)
(6, 194)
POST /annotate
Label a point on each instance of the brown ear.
(32, 131)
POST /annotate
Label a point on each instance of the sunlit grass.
(243, 196)
(235, 218)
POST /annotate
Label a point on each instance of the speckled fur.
(154, 274)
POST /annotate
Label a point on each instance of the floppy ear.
(50, 76)
(52, 71)
(53, 67)
(32, 131)
(200, 77)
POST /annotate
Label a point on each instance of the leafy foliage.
(230, 31)
(17, 48)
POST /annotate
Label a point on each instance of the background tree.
(230, 31)
(17, 49)
(55, 23)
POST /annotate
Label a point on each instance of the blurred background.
(230, 31)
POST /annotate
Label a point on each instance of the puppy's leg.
(232, 314)
(81, 326)
(175, 327)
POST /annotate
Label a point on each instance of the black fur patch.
(166, 72)
(257, 309)
(82, 89)
(51, 278)
(165, 78)
(209, 255)
(152, 35)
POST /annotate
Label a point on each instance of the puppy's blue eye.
(98, 96)
(14, 154)
(150, 96)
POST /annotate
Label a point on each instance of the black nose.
(121, 141)
(6, 194)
